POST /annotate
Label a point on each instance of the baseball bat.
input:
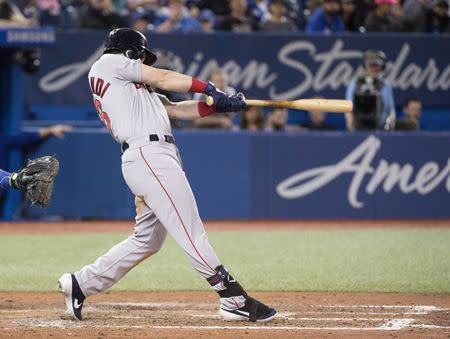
(323, 105)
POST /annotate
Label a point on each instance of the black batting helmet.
(130, 43)
(373, 56)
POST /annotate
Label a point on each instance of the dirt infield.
(194, 315)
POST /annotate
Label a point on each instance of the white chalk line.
(289, 317)
(149, 305)
(398, 326)
(430, 326)
(94, 309)
(391, 325)
(388, 325)
(367, 313)
(414, 308)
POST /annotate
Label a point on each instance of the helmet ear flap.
(131, 54)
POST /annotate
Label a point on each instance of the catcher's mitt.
(36, 179)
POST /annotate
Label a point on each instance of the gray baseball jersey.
(127, 107)
(152, 170)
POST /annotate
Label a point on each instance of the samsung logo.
(27, 36)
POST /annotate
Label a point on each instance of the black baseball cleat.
(253, 310)
(73, 296)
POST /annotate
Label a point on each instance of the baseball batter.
(122, 83)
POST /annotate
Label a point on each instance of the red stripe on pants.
(176, 210)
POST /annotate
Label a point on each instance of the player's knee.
(148, 240)
(156, 246)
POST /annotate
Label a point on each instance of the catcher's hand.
(36, 179)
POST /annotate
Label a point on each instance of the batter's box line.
(414, 309)
(393, 325)
(288, 316)
(272, 328)
(397, 324)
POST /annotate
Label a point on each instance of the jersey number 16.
(102, 115)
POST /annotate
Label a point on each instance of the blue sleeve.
(19, 140)
(350, 90)
(339, 24)
(315, 23)
(195, 26)
(158, 21)
(4, 179)
(389, 98)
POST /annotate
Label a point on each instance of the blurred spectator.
(372, 96)
(143, 5)
(101, 14)
(218, 120)
(412, 110)
(141, 22)
(440, 21)
(277, 20)
(396, 11)
(207, 19)
(121, 6)
(46, 12)
(363, 8)
(219, 7)
(382, 18)
(312, 5)
(259, 9)
(296, 12)
(237, 21)
(194, 11)
(326, 18)
(352, 19)
(252, 119)
(415, 15)
(177, 19)
(11, 16)
(277, 120)
(317, 121)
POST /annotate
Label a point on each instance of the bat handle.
(209, 101)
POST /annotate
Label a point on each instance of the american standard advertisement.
(363, 176)
(383, 176)
(288, 67)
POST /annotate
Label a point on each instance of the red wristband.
(204, 110)
(197, 86)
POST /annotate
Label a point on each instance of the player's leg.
(161, 181)
(147, 239)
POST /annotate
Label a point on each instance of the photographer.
(372, 96)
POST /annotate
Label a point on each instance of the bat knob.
(209, 101)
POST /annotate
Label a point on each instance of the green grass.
(395, 260)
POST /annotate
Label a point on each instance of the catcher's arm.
(36, 179)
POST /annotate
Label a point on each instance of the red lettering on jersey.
(97, 86)
(102, 115)
(91, 83)
(140, 85)
(148, 88)
(105, 89)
